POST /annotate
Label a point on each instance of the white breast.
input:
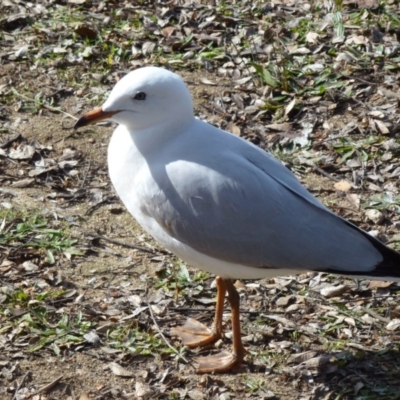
(132, 181)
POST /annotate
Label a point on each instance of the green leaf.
(184, 273)
(265, 75)
(39, 344)
(341, 306)
(50, 256)
(347, 155)
(74, 251)
(56, 349)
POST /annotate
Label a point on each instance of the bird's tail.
(387, 269)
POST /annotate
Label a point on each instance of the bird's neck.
(150, 140)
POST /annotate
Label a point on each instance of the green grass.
(24, 231)
(384, 201)
(136, 341)
(176, 277)
(40, 325)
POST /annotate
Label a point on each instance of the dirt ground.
(113, 305)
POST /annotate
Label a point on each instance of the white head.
(145, 98)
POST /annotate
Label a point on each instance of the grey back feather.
(241, 205)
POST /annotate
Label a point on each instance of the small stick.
(321, 171)
(20, 385)
(131, 246)
(10, 141)
(50, 385)
(45, 105)
(85, 176)
(93, 208)
(375, 315)
(165, 339)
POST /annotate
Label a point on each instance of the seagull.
(221, 204)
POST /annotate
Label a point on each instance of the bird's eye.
(140, 96)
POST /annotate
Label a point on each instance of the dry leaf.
(148, 48)
(116, 369)
(302, 357)
(354, 199)
(333, 291)
(343, 186)
(379, 284)
(86, 32)
(233, 128)
(290, 106)
(143, 391)
(393, 325)
(381, 127)
(375, 216)
(285, 127)
(206, 81)
(22, 152)
(312, 37)
(168, 31)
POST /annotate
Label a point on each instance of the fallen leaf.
(116, 369)
(143, 391)
(343, 186)
(393, 325)
(206, 81)
(333, 291)
(379, 284)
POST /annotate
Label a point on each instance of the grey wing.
(249, 209)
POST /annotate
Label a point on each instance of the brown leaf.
(343, 186)
(382, 128)
(231, 127)
(86, 32)
(168, 31)
(379, 284)
(363, 3)
(285, 127)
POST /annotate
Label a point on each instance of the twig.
(131, 246)
(8, 142)
(165, 339)
(359, 79)
(226, 310)
(124, 270)
(20, 385)
(45, 105)
(50, 385)
(93, 208)
(321, 171)
(375, 315)
(392, 241)
(85, 176)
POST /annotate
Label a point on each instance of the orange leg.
(224, 361)
(194, 333)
